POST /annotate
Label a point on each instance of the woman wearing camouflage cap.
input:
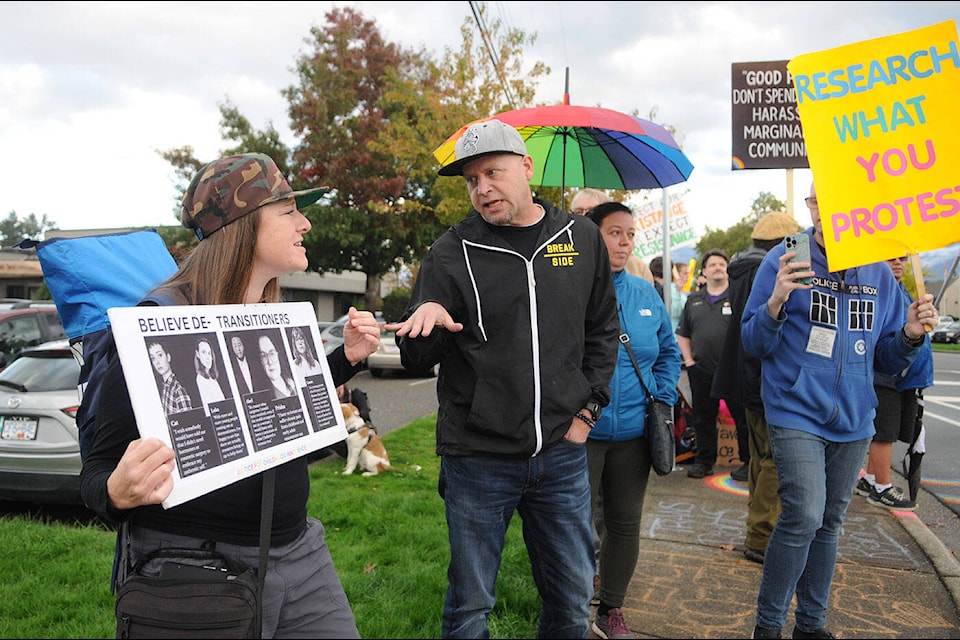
(251, 231)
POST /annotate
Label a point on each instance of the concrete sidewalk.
(895, 577)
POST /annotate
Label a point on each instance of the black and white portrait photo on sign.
(305, 358)
(276, 364)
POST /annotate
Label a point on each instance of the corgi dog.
(364, 446)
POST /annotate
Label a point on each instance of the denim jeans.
(551, 492)
(816, 485)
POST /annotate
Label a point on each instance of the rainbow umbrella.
(574, 146)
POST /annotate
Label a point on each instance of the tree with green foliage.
(737, 238)
(13, 229)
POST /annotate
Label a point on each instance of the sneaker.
(891, 498)
(741, 474)
(863, 487)
(816, 633)
(753, 555)
(699, 470)
(764, 632)
(611, 625)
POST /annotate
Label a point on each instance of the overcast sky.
(90, 90)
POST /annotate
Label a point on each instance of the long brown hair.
(217, 270)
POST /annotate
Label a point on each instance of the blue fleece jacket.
(919, 375)
(818, 356)
(644, 318)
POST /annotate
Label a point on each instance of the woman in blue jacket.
(617, 453)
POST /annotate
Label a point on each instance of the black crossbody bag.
(658, 427)
(200, 593)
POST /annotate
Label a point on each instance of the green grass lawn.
(387, 535)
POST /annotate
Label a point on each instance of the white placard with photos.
(233, 389)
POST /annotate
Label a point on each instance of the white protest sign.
(221, 430)
(648, 220)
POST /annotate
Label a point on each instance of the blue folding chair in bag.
(86, 276)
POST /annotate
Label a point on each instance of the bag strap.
(266, 527)
(266, 522)
(625, 341)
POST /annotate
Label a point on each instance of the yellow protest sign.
(881, 120)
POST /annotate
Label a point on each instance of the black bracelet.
(911, 342)
(589, 421)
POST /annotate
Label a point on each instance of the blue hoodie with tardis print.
(818, 356)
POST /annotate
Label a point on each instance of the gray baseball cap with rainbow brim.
(484, 139)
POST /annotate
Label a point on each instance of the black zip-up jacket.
(737, 376)
(540, 336)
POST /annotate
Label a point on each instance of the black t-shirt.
(522, 239)
(705, 322)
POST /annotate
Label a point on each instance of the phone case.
(799, 242)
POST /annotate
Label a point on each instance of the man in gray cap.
(516, 303)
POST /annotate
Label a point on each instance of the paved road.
(397, 399)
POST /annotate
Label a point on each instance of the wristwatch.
(594, 408)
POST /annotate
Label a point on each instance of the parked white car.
(39, 444)
(332, 335)
(387, 358)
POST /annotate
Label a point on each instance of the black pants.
(705, 409)
(739, 415)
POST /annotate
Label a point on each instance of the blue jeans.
(816, 485)
(551, 492)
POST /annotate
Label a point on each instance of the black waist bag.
(199, 593)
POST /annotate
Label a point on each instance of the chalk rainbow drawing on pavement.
(723, 482)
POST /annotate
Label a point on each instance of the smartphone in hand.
(799, 242)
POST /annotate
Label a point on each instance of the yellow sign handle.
(918, 277)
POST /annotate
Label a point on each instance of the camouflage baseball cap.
(231, 187)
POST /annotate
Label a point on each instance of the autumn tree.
(367, 115)
(491, 72)
(338, 114)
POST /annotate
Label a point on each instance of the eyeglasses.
(580, 211)
(811, 202)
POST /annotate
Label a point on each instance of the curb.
(944, 563)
